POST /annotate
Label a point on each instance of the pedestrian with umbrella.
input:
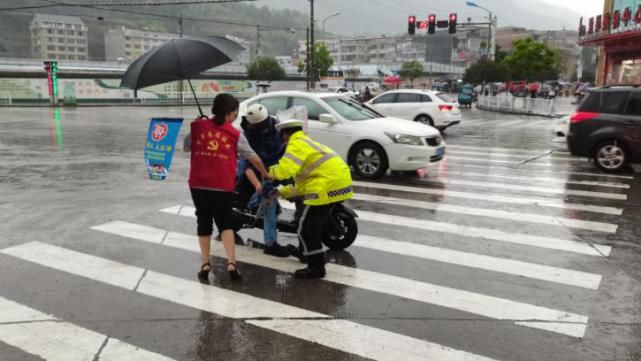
(214, 143)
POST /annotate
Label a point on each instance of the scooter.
(340, 233)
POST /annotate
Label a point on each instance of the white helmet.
(256, 113)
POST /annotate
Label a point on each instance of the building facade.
(126, 45)
(616, 32)
(56, 37)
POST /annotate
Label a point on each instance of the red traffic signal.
(431, 24)
(453, 20)
(422, 25)
(411, 25)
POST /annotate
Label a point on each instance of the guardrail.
(188, 97)
(5, 99)
(508, 103)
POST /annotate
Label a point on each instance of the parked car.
(368, 141)
(342, 91)
(562, 127)
(423, 106)
(607, 127)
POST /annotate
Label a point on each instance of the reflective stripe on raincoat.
(320, 175)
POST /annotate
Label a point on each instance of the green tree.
(301, 66)
(532, 60)
(499, 55)
(484, 71)
(323, 60)
(265, 68)
(411, 70)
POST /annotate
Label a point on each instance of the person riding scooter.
(260, 130)
(321, 179)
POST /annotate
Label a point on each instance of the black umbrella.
(180, 59)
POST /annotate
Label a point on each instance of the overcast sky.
(587, 8)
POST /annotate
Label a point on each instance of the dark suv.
(607, 127)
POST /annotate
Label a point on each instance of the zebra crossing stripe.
(535, 164)
(527, 188)
(50, 338)
(511, 169)
(484, 212)
(506, 155)
(305, 325)
(478, 232)
(543, 202)
(472, 260)
(493, 307)
(538, 179)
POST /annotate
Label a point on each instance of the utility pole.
(181, 84)
(307, 61)
(257, 39)
(313, 46)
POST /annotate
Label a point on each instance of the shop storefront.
(618, 34)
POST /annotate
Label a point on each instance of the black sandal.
(204, 274)
(233, 274)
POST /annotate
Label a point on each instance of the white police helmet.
(256, 113)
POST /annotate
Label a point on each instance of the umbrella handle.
(195, 97)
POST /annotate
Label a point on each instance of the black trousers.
(311, 228)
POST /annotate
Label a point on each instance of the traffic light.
(431, 24)
(54, 66)
(453, 19)
(411, 25)
(422, 25)
(47, 66)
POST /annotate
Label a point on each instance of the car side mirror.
(327, 119)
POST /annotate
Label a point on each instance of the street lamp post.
(490, 36)
(325, 20)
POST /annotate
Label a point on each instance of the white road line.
(543, 202)
(503, 150)
(511, 169)
(538, 179)
(522, 156)
(488, 306)
(466, 259)
(48, 337)
(485, 212)
(559, 244)
(361, 340)
(518, 187)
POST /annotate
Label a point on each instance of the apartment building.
(126, 45)
(58, 37)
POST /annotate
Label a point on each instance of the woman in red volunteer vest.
(215, 145)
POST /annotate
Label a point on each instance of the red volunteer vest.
(214, 156)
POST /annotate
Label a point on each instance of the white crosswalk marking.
(549, 189)
(518, 268)
(543, 202)
(516, 167)
(570, 324)
(310, 326)
(484, 212)
(43, 335)
(567, 245)
(536, 179)
(520, 156)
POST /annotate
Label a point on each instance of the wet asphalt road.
(510, 249)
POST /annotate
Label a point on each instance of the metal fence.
(5, 99)
(519, 105)
(205, 98)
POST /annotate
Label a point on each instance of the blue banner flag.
(161, 142)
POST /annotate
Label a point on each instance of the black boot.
(296, 252)
(315, 267)
(277, 250)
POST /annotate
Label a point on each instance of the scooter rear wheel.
(340, 233)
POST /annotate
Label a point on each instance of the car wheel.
(610, 156)
(425, 119)
(368, 160)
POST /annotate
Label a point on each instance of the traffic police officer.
(321, 178)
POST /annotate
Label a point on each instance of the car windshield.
(444, 97)
(350, 109)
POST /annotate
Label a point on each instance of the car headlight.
(405, 139)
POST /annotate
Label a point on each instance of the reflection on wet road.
(509, 249)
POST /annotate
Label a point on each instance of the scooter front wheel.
(341, 232)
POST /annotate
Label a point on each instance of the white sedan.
(369, 142)
(342, 91)
(423, 106)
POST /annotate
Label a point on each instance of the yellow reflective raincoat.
(320, 176)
